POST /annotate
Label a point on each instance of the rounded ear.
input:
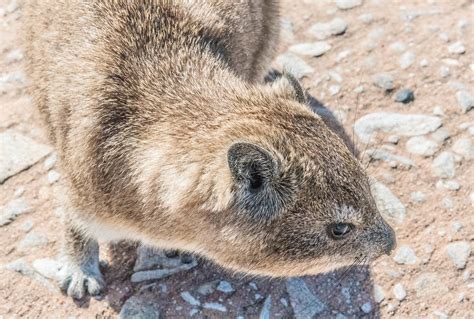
(251, 166)
(289, 87)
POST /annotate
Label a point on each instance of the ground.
(426, 192)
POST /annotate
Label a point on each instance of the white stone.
(406, 60)
(379, 294)
(388, 204)
(314, 49)
(48, 268)
(464, 147)
(53, 177)
(322, 31)
(459, 253)
(399, 291)
(348, 4)
(443, 165)
(405, 256)
(465, 100)
(186, 295)
(451, 185)
(457, 48)
(420, 145)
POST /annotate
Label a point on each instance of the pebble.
(459, 253)
(19, 153)
(394, 139)
(444, 71)
(418, 197)
(50, 161)
(190, 299)
(322, 31)
(334, 89)
(440, 314)
(305, 304)
(406, 60)
(464, 147)
(20, 266)
(405, 256)
(399, 292)
(27, 226)
(384, 81)
(421, 145)
(429, 285)
(388, 204)
(465, 100)
(314, 49)
(53, 176)
(366, 18)
(392, 159)
(395, 123)
(366, 307)
(404, 96)
(266, 308)
(32, 240)
(443, 165)
(207, 288)
(139, 308)
(225, 287)
(456, 225)
(441, 135)
(424, 63)
(448, 204)
(348, 4)
(398, 46)
(343, 55)
(457, 48)
(13, 209)
(215, 306)
(379, 294)
(295, 65)
(451, 185)
(160, 273)
(48, 268)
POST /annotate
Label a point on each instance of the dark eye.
(339, 230)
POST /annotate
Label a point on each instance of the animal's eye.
(339, 230)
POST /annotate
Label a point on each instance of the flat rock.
(139, 308)
(399, 292)
(215, 306)
(443, 165)
(464, 147)
(465, 100)
(348, 4)
(386, 156)
(459, 253)
(290, 62)
(457, 48)
(395, 123)
(32, 240)
(406, 60)
(450, 184)
(12, 209)
(48, 268)
(190, 299)
(19, 153)
(322, 31)
(384, 81)
(314, 49)
(305, 304)
(266, 308)
(388, 204)
(421, 145)
(405, 256)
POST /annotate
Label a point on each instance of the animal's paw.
(78, 282)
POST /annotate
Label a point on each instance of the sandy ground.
(379, 34)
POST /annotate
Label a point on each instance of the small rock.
(404, 96)
(465, 101)
(305, 304)
(464, 147)
(388, 204)
(448, 204)
(441, 135)
(418, 197)
(459, 253)
(322, 31)
(27, 226)
(139, 308)
(348, 4)
(444, 71)
(457, 48)
(32, 240)
(53, 177)
(225, 287)
(334, 89)
(366, 307)
(48, 268)
(424, 63)
(13, 209)
(360, 89)
(405, 256)
(14, 56)
(314, 49)
(429, 285)
(266, 308)
(215, 306)
(384, 81)
(295, 65)
(394, 139)
(160, 273)
(19, 192)
(456, 225)
(440, 314)
(451, 185)
(406, 60)
(286, 30)
(379, 294)
(443, 165)
(420, 145)
(207, 288)
(399, 291)
(366, 18)
(398, 47)
(343, 55)
(50, 161)
(20, 266)
(190, 299)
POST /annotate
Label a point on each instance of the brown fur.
(147, 102)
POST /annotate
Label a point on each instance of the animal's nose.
(391, 242)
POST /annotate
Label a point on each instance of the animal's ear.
(289, 87)
(252, 167)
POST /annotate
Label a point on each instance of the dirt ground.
(380, 33)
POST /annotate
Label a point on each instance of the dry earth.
(424, 165)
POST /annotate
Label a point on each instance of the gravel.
(139, 308)
(421, 145)
(32, 240)
(405, 256)
(18, 153)
(388, 204)
(379, 294)
(457, 48)
(13, 209)
(459, 253)
(465, 100)
(290, 62)
(314, 49)
(266, 308)
(418, 197)
(406, 60)
(53, 176)
(50, 161)
(366, 307)
(384, 81)
(443, 165)
(395, 123)
(322, 31)
(464, 147)
(160, 273)
(399, 292)
(215, 306)
(305, 304)
(186, 295)
(441, 135)
(348, 4)
(404, 96)
(225, 287)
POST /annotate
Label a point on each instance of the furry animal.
(167, 135)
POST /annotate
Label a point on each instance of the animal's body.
(167, 135)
